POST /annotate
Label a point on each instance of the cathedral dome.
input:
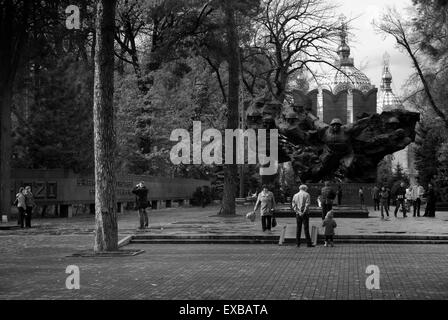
(348, 77)
(388, 100)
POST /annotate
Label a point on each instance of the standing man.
(21, 206)
(384, 196)
(400, 195)
(388, 198)
(266, 201)
(141, 202)
(417, 194)
(376, 198)
(301, 206)
(431, 198)
(328, 196)
(339, 194)
(30, 204)
(361, 196)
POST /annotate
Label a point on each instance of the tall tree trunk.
(106, 229)
(13, 36)
(5, 147)
(231, 170)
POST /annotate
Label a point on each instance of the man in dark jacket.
(431, 199)
(30, 204)
(328, 195)
(400, 197)
(141, 202)
(339, 194)
(376, 198)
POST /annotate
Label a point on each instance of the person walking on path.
(400, 198)
(409, 200)
(21, 206)
(301, 206)
(328, 196)
(141, 201)
(329, 225)
(30, 204)
(339, 195)
(376, 198)
(266, 201)
(417, 193)
(361, 196)
(388, 198)
(431, 199)
(384, 197)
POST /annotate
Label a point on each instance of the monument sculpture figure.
(320, 151)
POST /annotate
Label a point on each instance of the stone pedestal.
(285, 211)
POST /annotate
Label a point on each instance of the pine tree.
(106, 228)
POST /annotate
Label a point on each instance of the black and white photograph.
(223, 155)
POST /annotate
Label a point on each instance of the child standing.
(329, 224)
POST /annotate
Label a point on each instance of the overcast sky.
(368, 47)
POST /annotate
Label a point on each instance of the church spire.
(386, 80)
(388, 99)
(344, 49)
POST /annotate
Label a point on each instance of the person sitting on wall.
(141, 202)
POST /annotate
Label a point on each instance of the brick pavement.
(33, 262)
(33, 267)
(205, 220)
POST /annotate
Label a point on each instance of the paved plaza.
(33, 262)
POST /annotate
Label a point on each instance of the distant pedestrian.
(384, 197)
(417, 193)
(30, 204)
(141, 202)
(339, 195)
(409, 200)
(328, 195)
(361, 196)
(376, 198)
(431, 199)
(301, 206)
(266, 201)
(20, 202)
(329, 225)
(203, 197)
(388, 198)
(400, 195)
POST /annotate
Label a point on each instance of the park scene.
(208, 150)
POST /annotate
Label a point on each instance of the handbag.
(251, 216)
(274, 222)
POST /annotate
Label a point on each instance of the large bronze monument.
(320, 151)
